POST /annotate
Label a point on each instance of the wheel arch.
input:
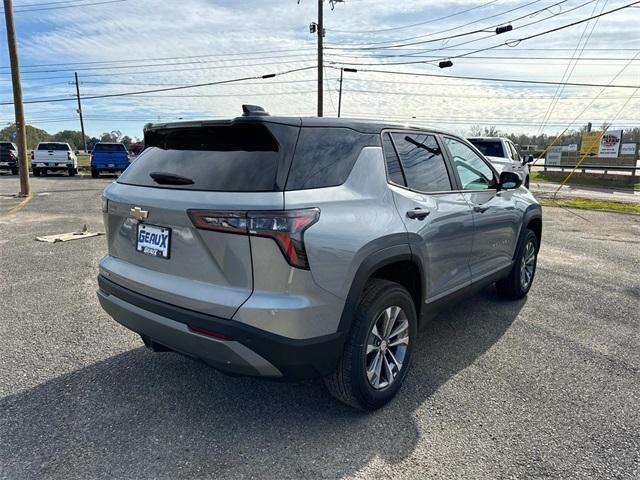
(396, 263)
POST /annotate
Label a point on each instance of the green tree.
(126, 141)
(34, 135)
(72, 137)
(113, 136)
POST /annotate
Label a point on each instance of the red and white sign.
(610, 144)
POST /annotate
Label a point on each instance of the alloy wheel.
(387, 347)
(528, 265)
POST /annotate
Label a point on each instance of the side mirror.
(528, 159)
(509, 181)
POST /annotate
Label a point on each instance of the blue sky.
(152, 44)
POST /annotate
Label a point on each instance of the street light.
(342, 70)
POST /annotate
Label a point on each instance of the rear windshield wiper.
(164, 178)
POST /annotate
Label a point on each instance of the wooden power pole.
(84, 138)
(25, 189)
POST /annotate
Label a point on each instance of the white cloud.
(145, 29)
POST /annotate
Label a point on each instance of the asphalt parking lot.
(548, 387)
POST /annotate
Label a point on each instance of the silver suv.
(288, 247)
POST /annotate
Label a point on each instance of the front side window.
(422, 162)
(474, 173)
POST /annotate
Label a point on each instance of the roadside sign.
(628, 149)
(589, 144)
(610, 144)
(554, 154)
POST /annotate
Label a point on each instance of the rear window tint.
(224, 158)
(5, 147)
(490, 148)
(53, 146)
(109, 147)
(325, 156)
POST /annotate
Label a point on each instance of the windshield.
(490, 148)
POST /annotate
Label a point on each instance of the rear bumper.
(53, 165)
(117, 167)
(251, 351)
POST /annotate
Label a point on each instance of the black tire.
(36, 172)
(94, 173)
(349, 383)
(514, 285)
(72, 172)
(14, 171)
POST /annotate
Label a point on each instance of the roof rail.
(254, 111)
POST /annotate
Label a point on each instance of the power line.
(20, 10)
(491, 79)
(139, 92)
(461, 26)
(509, 43)
(414, 24)
(571, 66)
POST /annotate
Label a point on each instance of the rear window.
(6, 146)
(53, 146)
(109, 147)
(325, 156)
(241, 157)
(490, 148)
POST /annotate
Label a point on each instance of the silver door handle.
(480, 208)
(418, 213)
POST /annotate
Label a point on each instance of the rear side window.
(394, 171)
(243, 157)
(325, 156)
(109, 147)
(422, 161)
(53, 146)
(489, 148)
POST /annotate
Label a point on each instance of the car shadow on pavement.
(145, 415)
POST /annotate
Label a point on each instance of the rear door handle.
(480, 208)
(418, 213)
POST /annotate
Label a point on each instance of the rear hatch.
(154, 246)
(109, 155)
(52, 153)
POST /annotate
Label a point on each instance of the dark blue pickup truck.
(109, 157)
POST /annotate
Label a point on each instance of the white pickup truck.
(53, 157)
(504, 155)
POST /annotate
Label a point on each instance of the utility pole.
(342, 70)
(84, 138)
(25, 189)
(320, 63)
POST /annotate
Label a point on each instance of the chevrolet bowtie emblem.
(138, 213)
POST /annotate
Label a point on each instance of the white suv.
(55, 157)
(504, 155)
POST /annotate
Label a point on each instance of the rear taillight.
(286, 227)
(68, 155)
(209, 333)
(32, 156)
(91, 157)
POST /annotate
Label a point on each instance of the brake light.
(68, 155)
(286, 227)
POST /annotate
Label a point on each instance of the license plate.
(4, 164)
(111, 165)
(153, 240)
